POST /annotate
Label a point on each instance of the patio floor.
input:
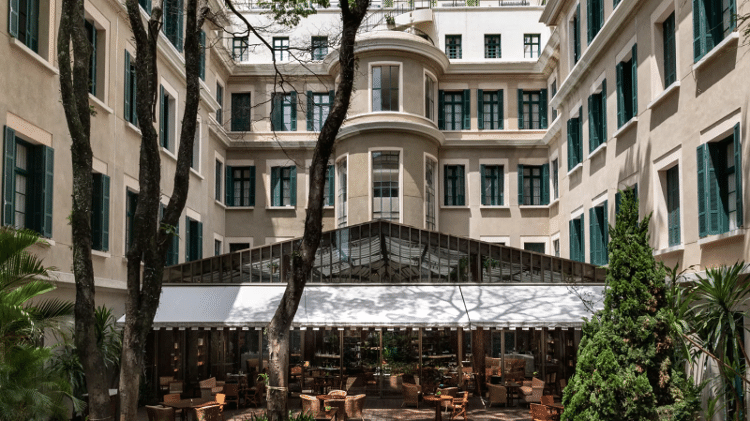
(389, 409)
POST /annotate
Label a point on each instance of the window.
(217, 247)
(240, 51)
(238, 246)
(720, 185)
(318, 107)
(533, 185)
(532, 106)
(598, 235)
(173, 22)
(196, 161)
(284, 186)
(240, 186)
(673, 205)
(618, 196)
(455, 186)
(341, 213)
(220, 100)
(202, 40)
(429, 97)
(453, 46)
(27, 184)
(284, 112)
(91, 34)
(146, 5)
(217, 182)
(23, 22)
(100, 212)
(281, 48)
(319, 48)
(553, 92)
(670, 50)
(193, 239)
(535, 247)
(598, 117)
(493, 184)
(555, 179)
(430, 220)
(241, 112)
(166, 120)
(627, 88)
(713, 20)
(454, 110)
(575, 39)
(385, 185)
(492, 46)
(532, 46)
(490, 105)
(595, 17)
(329, 188)
(131, 202)
(556, 247)
(575, 140)
(129, 111)
(173, 251)
(577, 245)
(385, 86)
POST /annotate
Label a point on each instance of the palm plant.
(718, 301)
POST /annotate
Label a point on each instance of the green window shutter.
(460, 186)
(571, 153)
(605, 235)
(543, 109)
(174, 251)
(100, 212)
(699, 14)
(310, 106)
(738, 174)
(188, 240)
(229, 186)
(44, 188)
(91, 32)
(199, 241)
(572, 240)
(32, 25)
(275, 186)
(579, 132)
(13, 18)
(126, 112)
(714, 207)
(581, 240)
(520, 110)
(251, 198)
(483, 192)
(634, 82)
(620, 96)
(441, 110)
(593, 240)
(203, 55)
(673, 206)
(593, 138)
(600, 9)
(480, 109)
(293, 100)
(293, 186)
(331, 98)
(577, 34)
(603, 113)
(520, 184)
(618, 199)
(500, 106)
(501, 185)
(105, 212)
(162, 117)
(701, 153)
(277, 111)
(179, 25)
(331, 185)
(9, 185)
(589, 20)
(545, 184)
(446, 182)
(466, 110)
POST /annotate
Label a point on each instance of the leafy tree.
(629, 367)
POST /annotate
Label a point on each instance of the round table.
(436, 400)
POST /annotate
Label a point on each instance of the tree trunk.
(352, 14)
(74, 89)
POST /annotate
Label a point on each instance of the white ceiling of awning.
(509, 306)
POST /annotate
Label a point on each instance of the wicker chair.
(448, 391)
(173, 397)
(411, 394)
(209, 388)
(176, 386)
(337, 393)
(208, 413)
(458, 406)
(340, 405)
(255, 395)
(310, 404)
(355, 406)
(159, 413)
(497, 394)
(164, 383)
(548, 400)
(231, 390)
(541, 413)
(532, 391)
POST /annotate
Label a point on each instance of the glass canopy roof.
(390, 253)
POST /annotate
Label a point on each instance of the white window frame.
(236, 240)
(222, 179)
(400, 84)
(436, 185)
(505, 162)
(338, 204)
(660, 218)
(467, 188)
(174, 100)
(102, 25)
(428, 74)
(198, 140)
(270, 163)
(244, 163)
(308, 167)
(370, 180)
(220, 238)
(536, 239)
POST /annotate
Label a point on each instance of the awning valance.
(499, 306)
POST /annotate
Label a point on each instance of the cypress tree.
(628, 364)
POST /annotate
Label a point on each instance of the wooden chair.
(231, 390)
(337, 393)
(340, 405)
(458, 406)
(448, 391)
(411, 394)
(176, 386)
(208, 413)
(174, 397)
(355, 406)
(160, 413)
(310, 404)
(532, 391)
(255, 395)
(541, 413)
(497, 394)
(209, 388)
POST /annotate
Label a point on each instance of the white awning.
(507, 306)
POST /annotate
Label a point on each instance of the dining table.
(513, 390)
(437, 401)
(190, 405)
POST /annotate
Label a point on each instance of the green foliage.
(628, 365)
(289, 12)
